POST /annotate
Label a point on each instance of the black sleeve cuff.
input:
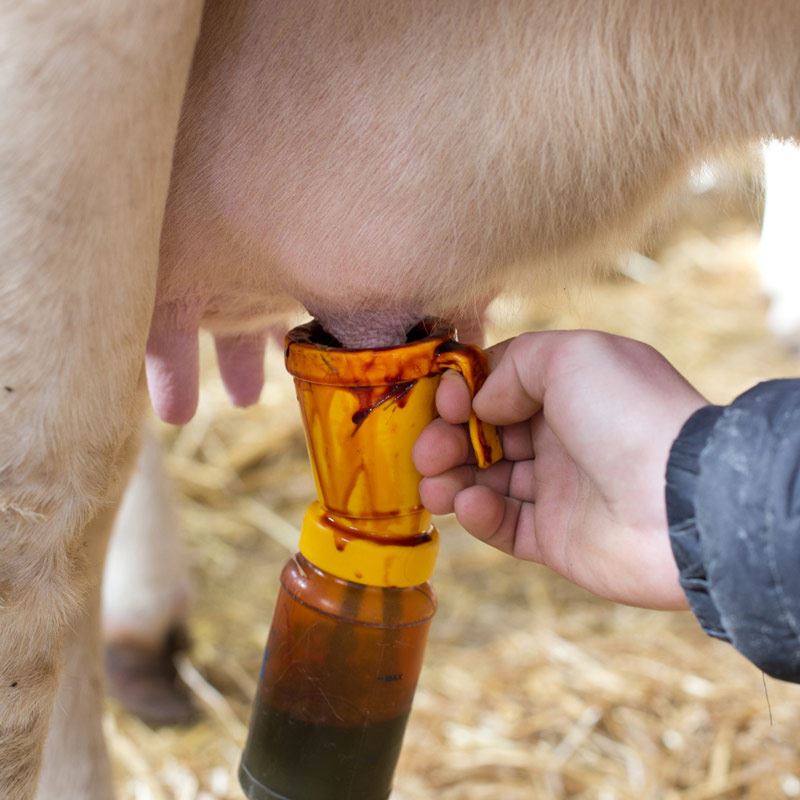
(733, 505)
(683, 469)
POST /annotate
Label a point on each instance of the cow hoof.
(145, 681)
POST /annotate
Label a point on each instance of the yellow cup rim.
(310, 357)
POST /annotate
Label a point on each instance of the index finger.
(453, 401)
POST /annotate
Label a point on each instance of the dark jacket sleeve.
(733, 504)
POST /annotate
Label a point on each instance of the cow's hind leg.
(57, 518)
(75, 759)
(145, 597)
(91, 94)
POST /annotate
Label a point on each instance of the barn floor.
(532, 689)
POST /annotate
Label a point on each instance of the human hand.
(587, 421)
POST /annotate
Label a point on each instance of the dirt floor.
(532, 688)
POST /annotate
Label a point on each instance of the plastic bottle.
(354, 608)
(339, 677)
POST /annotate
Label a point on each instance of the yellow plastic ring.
(369, 561)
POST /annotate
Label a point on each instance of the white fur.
(779, 251)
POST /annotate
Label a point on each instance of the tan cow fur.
(91, 94)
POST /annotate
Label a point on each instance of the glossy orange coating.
(362, 411)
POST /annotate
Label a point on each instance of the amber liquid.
(338, 680)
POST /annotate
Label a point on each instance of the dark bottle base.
(257, 791)
(288, 759)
